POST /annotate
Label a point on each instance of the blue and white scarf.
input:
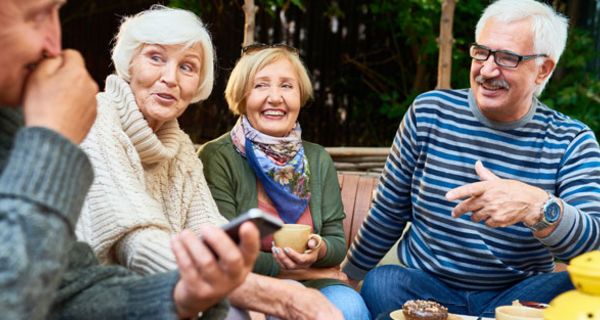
(279, 164)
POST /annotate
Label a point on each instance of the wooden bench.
(357, 191)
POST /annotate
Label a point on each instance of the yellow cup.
(295, 236)
(518, 313)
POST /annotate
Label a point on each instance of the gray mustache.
(492, 82)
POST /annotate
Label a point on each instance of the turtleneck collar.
(152, 147)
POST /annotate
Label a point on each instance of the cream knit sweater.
(147, 187)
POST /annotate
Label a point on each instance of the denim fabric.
(386, 288)
(348, 301)
(237, 314)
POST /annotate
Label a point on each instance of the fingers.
(282, 257)
(61, 95)
(468, 190)
(48, 66)
(471, 204)
(289, 259)
(249, 242)
(484, 173)
(193, 256)
(226, 251)
(315, 241)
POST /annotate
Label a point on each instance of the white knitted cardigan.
(147, 187)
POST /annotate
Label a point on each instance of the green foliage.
(191, 5)
(270, 6)
(573, 90)
(413, 27)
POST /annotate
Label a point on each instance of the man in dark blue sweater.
(44, 177)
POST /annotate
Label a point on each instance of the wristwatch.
(550, 214)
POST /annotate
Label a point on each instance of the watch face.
(552, 212)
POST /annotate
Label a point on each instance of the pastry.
(424, 310)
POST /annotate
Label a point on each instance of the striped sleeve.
(579, 188)
(391, 207)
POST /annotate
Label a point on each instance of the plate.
(398, 315)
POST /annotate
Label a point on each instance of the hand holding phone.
(266, 224)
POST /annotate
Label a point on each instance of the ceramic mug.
(295, 236)
(518, 313)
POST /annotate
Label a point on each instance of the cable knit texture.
(148, 185)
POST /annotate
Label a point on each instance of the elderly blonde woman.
(149, 182)
(264, 163)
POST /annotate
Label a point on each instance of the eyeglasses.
(255, 47)
(503, 58)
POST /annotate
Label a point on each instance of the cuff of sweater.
(152, 298)
(353, 272)
(46, 168)
(565, 225)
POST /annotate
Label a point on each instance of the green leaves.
(574, 90)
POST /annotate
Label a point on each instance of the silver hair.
(549, 27)
(164, 26)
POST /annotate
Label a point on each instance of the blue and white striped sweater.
(435, 149)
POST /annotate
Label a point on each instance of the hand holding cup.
(296, 247)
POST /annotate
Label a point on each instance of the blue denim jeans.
(386, 288)
(348, 301)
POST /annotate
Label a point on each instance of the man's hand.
(498, 202)
(61, 95)
(212, 267)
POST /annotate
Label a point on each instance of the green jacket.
(233, 186)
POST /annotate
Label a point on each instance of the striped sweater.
(439, 140)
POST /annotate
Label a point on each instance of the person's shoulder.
(313, 147)
(316, 152)
(454, 96)
(557, 121)
(218, 145)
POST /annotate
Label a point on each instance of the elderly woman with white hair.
(149, 181)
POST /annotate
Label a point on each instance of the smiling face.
(164, 79)
(273, 104)
(29, 29)
(504, 94)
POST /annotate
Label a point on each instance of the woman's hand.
(288, 259)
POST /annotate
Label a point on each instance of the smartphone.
(266, 224)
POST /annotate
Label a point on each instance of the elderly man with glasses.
(496, 185)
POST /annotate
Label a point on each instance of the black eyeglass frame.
(261, 46)
(493, 52)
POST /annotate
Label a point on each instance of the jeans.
(386, 288)
(348, 301)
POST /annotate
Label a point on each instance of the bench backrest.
(357, 192)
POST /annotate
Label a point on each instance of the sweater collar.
(152, 147)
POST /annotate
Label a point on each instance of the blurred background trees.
(368, 59)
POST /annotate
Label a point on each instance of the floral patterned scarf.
(279, 164)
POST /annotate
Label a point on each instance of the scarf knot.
(280, 165)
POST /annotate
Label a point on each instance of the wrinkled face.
(164, 79)
(274, 101)
(504, 94)
(29, 29)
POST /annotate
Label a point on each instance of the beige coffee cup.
(518, 313)
(295, 236)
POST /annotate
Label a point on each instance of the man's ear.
(544, 70)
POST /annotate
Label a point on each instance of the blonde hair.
(242, 76)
